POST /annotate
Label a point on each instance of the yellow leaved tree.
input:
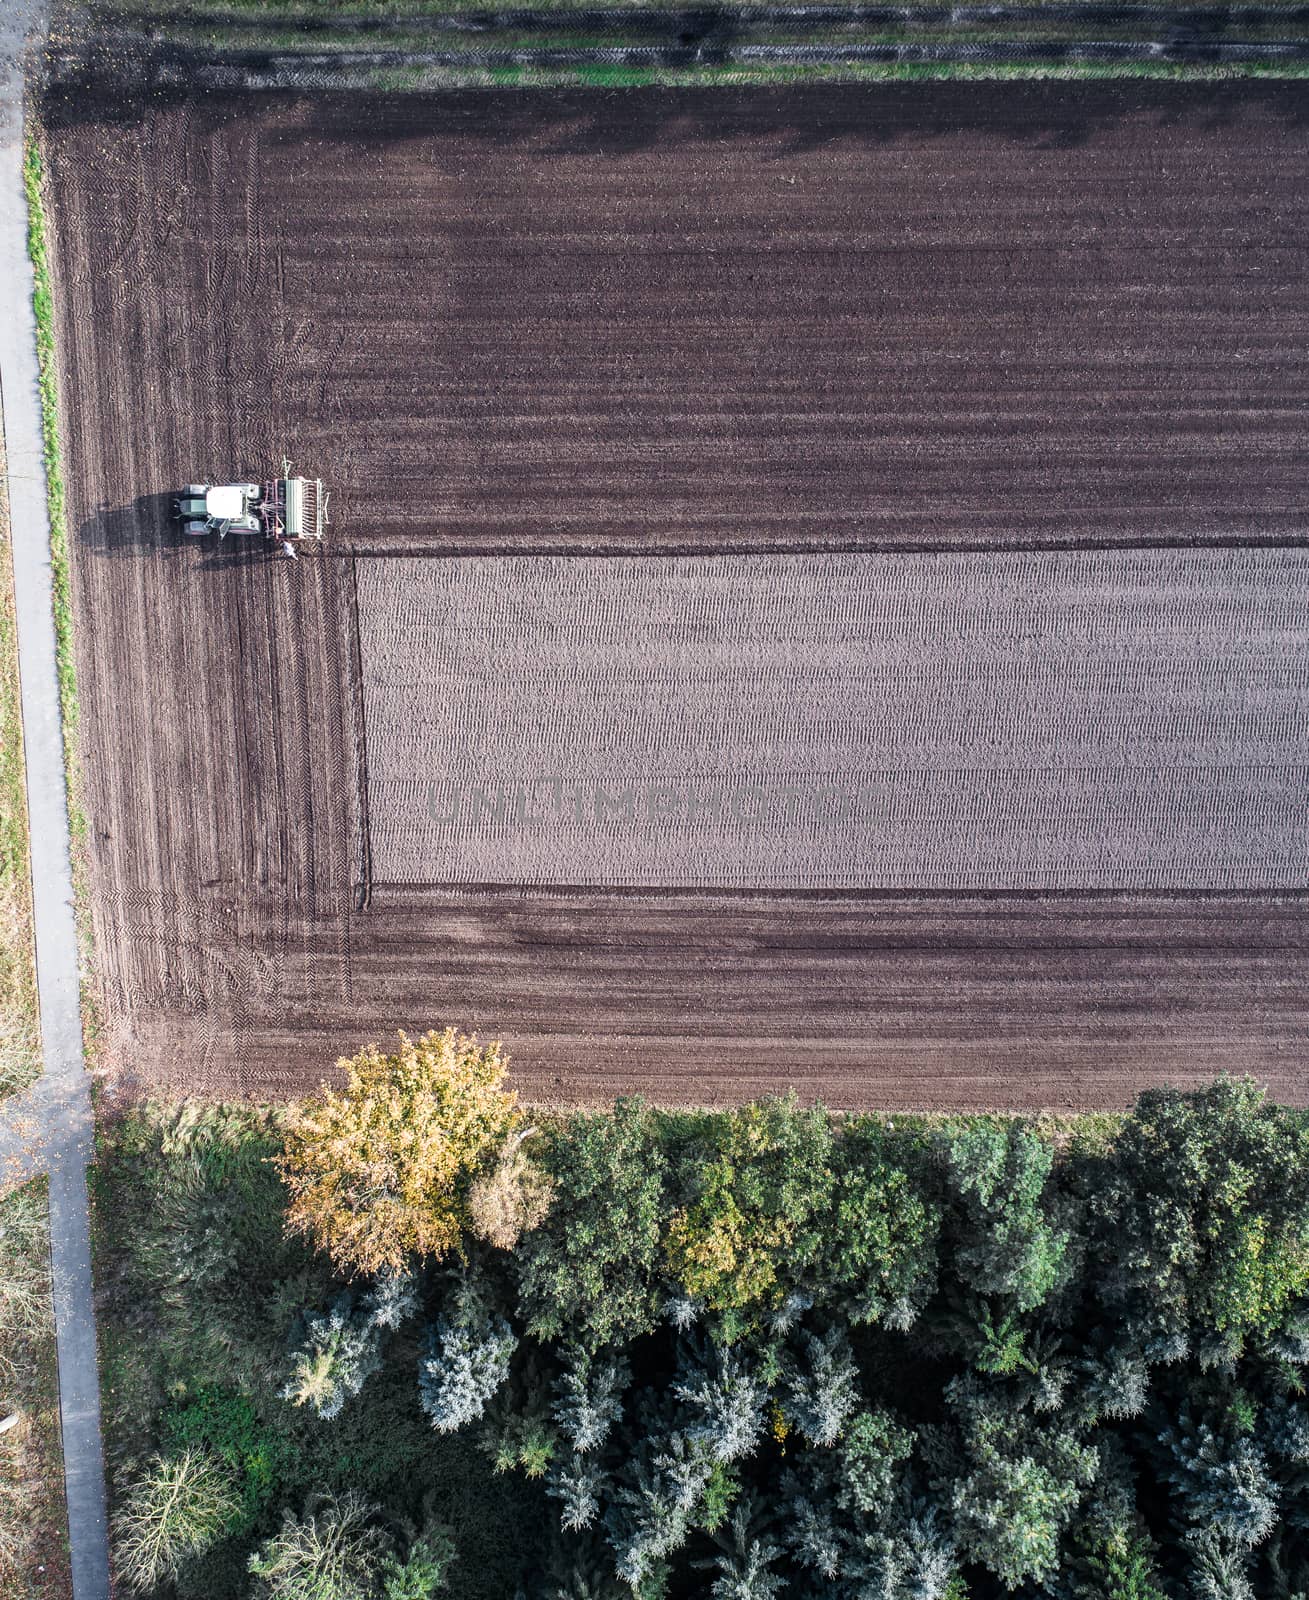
(382, 1172)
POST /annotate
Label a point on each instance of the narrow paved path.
(49, 1129)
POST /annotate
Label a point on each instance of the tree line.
(776, 1352)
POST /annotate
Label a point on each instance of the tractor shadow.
(148, 524)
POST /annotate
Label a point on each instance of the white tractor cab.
(288, 510)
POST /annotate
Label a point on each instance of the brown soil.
(991, 316)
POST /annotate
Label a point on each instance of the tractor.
(287, 509)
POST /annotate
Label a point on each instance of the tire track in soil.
(360, 728)
(947, 317)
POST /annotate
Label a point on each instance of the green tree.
(589, 1274)
(1004, 1238)
(1202, 1208)
(880, 1242)
(1018, 1483)
(425, 1568)
(760, 1190)
(381, 1173)
(873, 1452)
(1116, 1562)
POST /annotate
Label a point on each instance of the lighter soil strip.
(1091, 720)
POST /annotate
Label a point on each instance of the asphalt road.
(50, 1129)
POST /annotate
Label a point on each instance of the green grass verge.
(255, 13)
(612, 76)
(43, 306)
(33, 1529)
(20, 1054)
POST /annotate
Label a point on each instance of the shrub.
(512, 1198)
(332, 1552)
(181, 1506)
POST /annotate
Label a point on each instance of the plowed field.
(957, 318)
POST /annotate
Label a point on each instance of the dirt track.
(991, 316)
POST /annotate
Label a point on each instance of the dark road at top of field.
(927, 317)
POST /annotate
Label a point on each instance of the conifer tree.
(726, 1400)
(745, 1565)
(1220, 1478)
(822, 1387)
(467, 1359)
(577, 1483)
(589, 1398)
(340, 1351)
(392, 1300)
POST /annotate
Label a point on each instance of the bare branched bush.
(512, 1198)
(332, 1552)
(180, 1507)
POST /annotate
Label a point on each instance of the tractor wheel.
(195, 491)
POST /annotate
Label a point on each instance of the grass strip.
(20, 1060)
(618, 76)
(982, 34)
(161, 16)
(43, 306)
(33, 1524)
